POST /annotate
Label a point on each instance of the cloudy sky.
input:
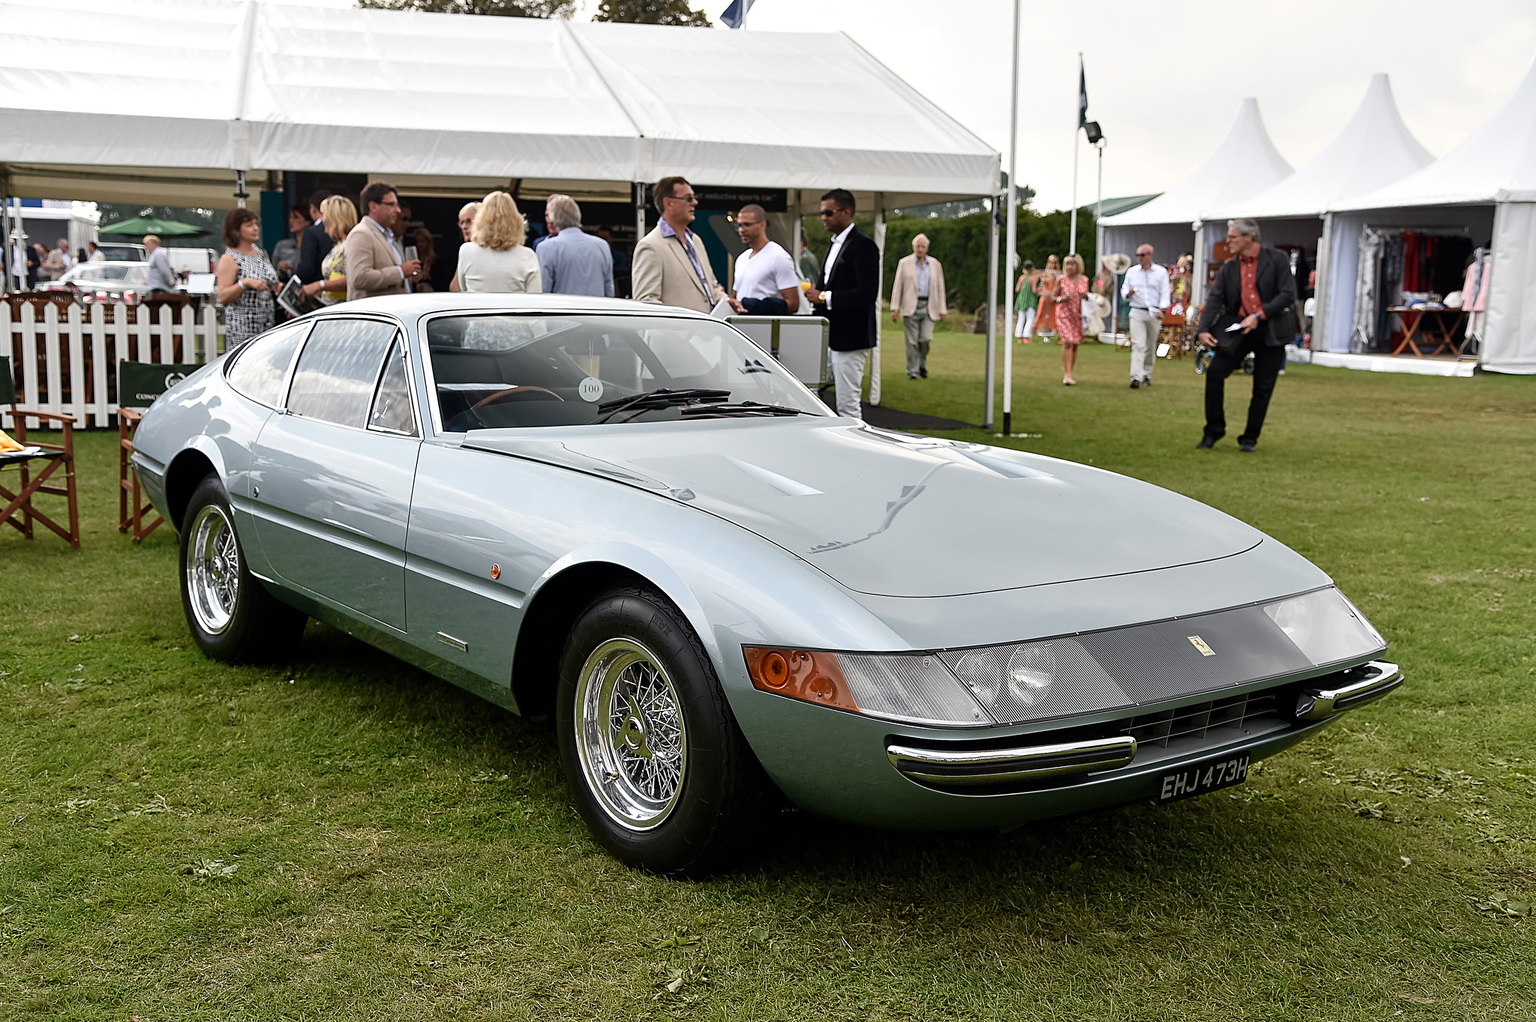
(1164, 79)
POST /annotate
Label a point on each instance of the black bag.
(1227, 339)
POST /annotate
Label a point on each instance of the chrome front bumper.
(970, 767)
(1375, 680)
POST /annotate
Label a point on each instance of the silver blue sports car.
(632, 520)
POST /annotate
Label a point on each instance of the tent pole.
(798, 239)
(240, 193)
(991, 371)
(1320, 264)
(639, 228)
(874, 361)
(8, 257)
(1010, 247)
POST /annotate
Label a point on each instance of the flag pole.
(1010, 251)
(1072, 243)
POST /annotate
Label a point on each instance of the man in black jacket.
(1248, 309)
(846, 291)
(314, 244)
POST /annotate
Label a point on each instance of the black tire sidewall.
(698, 826)
(252, 620)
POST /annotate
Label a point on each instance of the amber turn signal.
(812, 677)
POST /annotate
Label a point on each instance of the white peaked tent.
(1486, 187)
(1375, 148)
(1245, 164)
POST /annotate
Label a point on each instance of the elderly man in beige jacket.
(671, 266)
(917, 298)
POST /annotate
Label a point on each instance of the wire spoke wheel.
(213, 570)
(632, 737)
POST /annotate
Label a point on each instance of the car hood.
(893, 514)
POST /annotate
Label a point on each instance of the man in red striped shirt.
(1247, 310)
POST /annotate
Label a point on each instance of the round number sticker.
(591, 389)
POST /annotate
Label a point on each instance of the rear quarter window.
(260, 369)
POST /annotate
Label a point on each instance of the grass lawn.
(347, 838)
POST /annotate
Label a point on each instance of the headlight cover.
(1023, 682)
(1325, 626)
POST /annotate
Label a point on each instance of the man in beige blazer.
(671, 266)
(373, 264)
(917, 297)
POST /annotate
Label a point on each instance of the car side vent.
(1199, 719)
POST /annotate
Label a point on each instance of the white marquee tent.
(1485, 187)
(1245, 164)
(1375, 148)
(163, 99)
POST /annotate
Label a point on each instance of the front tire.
(229, 612)
(653, 758)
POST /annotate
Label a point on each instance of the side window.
(337, 370)
(261, 368)
(392, 404)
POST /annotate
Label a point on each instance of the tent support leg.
(874, 360)
(240, 193)
(995, 205)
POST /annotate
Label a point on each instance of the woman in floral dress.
(1068, 295)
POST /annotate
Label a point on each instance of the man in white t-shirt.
(766, 281)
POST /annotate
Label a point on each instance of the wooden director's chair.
(138, 384)
(16, 507)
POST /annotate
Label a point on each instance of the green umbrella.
(150, 225)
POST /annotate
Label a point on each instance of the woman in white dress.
(495, 258)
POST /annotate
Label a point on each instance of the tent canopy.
(1374, 149)
(160, 93)
(1496, 164)
(1245, 164)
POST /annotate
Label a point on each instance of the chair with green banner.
(138, 384)
(17, 508)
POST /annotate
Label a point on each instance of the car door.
(334, 472)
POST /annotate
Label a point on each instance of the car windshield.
(497, 371)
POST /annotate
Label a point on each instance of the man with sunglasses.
(671, 266)
(846, 291)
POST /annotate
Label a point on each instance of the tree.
(502, 8)
(651, 12)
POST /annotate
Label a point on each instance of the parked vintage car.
(104, 281)
(632, 520)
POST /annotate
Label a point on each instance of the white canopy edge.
(311, 85)
(1245, 164)
(1373, 149)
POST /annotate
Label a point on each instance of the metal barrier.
(799, 343)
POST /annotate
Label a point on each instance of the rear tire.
(652, 755)
(229, 612)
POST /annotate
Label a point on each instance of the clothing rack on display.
(1399, 265)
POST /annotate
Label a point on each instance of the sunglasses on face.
(690, 197)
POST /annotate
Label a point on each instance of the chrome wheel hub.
(213, 570)
(630, 733)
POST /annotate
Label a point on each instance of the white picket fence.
(81, 336)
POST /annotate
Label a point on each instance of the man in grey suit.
(161, 277)
(571, 261)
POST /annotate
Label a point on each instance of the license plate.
(1203, 777)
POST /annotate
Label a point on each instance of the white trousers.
(1024, 325)
(1145, 326)
(848, 372)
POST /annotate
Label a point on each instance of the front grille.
(1198, 720)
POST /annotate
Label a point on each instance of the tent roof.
(1374, 149)
(1498, 163)
(312, 85)
(1245, 164)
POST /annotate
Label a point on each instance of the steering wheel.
(511, 391)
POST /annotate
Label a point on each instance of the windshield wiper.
(662, 398)
(743, 408)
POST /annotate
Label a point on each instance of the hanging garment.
(1393, 263)
(1410, 264)
(1362, 332)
